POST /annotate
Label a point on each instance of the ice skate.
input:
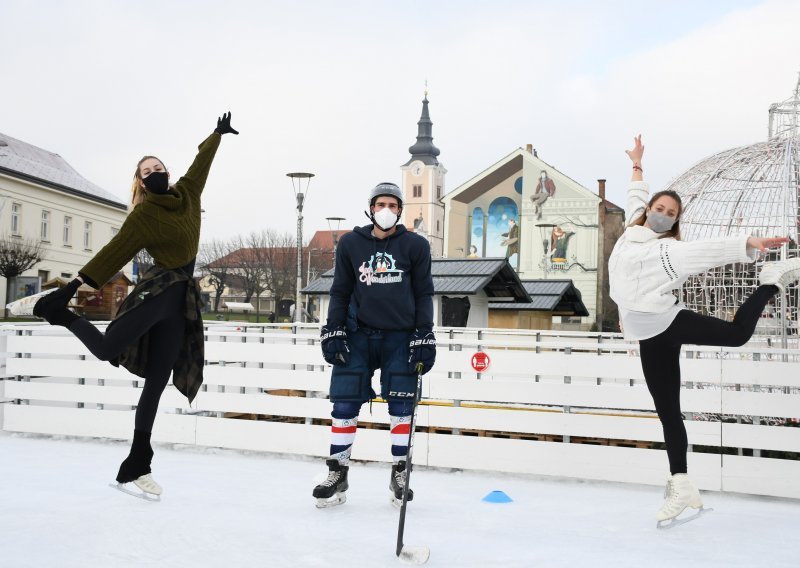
(780, 273)
(679, 494)
(331, 492)
(397, 484)
(147, 487)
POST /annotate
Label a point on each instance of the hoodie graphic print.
(387, 281)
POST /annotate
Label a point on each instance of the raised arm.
(636, 157)
(194, 179)
(638, 191)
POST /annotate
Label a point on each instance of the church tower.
(423, 185)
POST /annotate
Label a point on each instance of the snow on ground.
(226, 508)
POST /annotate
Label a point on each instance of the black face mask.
(157, 182)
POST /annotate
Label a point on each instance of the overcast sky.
(335, 88)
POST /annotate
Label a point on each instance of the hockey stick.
(411, 554)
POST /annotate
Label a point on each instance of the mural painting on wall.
(559, 241)
(545, 188)
(476, 234)
(511, 240)
(502, 230)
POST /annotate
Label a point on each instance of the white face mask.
(385, 219)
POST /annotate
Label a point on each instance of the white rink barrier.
(550, 403)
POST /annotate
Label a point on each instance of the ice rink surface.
(227, 508)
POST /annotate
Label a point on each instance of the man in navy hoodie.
(380, 317)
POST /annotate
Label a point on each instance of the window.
(87, 235)
(417, 191)
(438, 192)
(67, 275)
(44, 275)
(45, 232)
(67, 231)
(114, 231)
(437, 226)
(16, 212)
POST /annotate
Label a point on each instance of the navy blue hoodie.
(388, 281)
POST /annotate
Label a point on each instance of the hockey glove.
(335, 348)
(224, 125)
(422, 350)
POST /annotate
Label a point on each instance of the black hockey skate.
(397, 484)
(331, 492)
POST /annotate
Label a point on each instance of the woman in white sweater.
(649, 262)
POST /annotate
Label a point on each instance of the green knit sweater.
(167, 226)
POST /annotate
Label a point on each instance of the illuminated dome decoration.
(748, 190)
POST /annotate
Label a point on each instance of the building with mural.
(545, 223)
(487, 236)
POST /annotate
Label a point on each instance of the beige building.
(43, 198)
(548, 226)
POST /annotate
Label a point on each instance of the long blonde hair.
(138, 191)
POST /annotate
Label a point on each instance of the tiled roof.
(457, 276)
(25, 161)
(323, 240)
(548, 295)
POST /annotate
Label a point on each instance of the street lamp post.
(308, 281)
(299, 179)
(334, 232)
(543, 229)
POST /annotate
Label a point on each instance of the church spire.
(424, 150)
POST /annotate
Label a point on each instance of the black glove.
(224, 125)
(333, 340)
(422, 350)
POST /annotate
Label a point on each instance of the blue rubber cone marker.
(497, 496)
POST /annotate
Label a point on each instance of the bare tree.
(18, 255)
(143, 262)
(264, 261)
(251, 267)
(214, 261)
(280, 257)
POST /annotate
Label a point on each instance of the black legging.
(163, 319)
(661, 362)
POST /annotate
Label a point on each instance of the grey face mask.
(660, 223)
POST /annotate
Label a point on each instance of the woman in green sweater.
(158, 329)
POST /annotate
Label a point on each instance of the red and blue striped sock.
(400, 427)
(343, 433)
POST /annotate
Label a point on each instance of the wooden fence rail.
(566, 404)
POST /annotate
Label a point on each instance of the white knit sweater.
(644, 270)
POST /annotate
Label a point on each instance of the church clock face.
(416, 168)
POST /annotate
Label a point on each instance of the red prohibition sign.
(480, 361)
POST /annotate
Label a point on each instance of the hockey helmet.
(386, 188)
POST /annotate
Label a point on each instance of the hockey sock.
(400, 427)
(343, 433)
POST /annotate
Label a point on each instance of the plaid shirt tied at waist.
(187, 373)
